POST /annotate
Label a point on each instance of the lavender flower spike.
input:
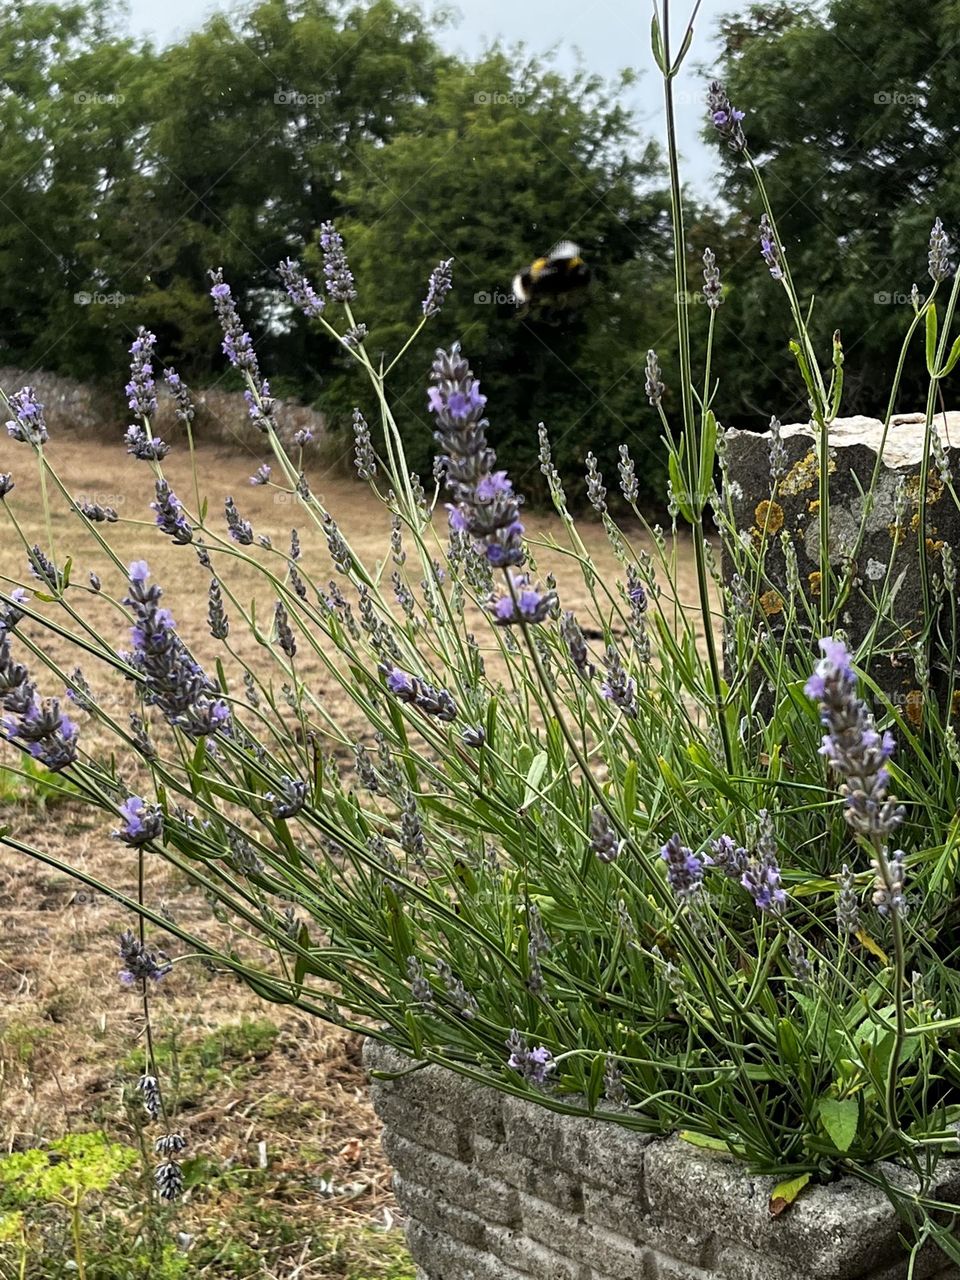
(237, 346)
(28, 424)
(299, 289)
(684, 868)
(141, 389)
(441, 282)
(139, 963)
(532, 1064)
(531, 606)
(726, 119)
(417, 692)
(939, 253)
(855, 751)
(769, 249)
(340, 285)
(173, 680)
(142, 822)
(484, 505)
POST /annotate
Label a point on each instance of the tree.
(858, 160)
(506, 159)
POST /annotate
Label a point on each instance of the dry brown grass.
(65, 1026)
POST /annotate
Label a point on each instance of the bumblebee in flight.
(558, 280)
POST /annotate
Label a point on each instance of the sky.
(609, 35)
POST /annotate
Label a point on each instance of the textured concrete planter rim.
(496, 1187)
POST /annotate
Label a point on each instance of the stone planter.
(496, 1188)
(885, 553)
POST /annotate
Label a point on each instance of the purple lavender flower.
(98, 515)
(10, 613)
(261, 475)
(769, 249)
(292, 798)
(139, 963)
(241, 531)
(532, 1064)
(531, 606)
(28, 424)
(302, 437)
(762, 882)
(366, 459)
(418, 693)
(173, 681)
(726, 119)
(237, 344)
(484, 504)
(340, 284)
(260, 405)
(141, 389)
(144, 446)
(6, 484)
(142, 822)
(38, 726)
(441, 281)
(761, 876)
(183, 409)
(684, 868)
(603, 839)
(618, 687)
(44, 570)
(170, 516)
(301, 292)
(731, 858)
(854, 750)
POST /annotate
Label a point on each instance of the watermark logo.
(93, 98)
(884, 299)
(292, 98)
(86, 298)
(100, 498)
(492, 99)
(895, 98)
(487, 297)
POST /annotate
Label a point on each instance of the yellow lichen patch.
(934, 546)
(913, 707)
(896, 533)
(803, 475)
(771, 602)
(769, 517)
(813, 506)
(955, 703)
(934, 489)
(814, 582)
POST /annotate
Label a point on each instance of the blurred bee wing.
(519, 289)
(564, 249)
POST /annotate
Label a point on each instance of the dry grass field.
(287, 1178)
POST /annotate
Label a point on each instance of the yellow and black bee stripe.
(560, 278)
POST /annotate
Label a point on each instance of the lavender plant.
(573, 855)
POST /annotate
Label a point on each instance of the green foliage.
(854, 163)
(68, 1170)
(30, 785)
(507, 160)
(194, 1066)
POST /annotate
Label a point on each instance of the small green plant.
(32, 786)
(64, 1175)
